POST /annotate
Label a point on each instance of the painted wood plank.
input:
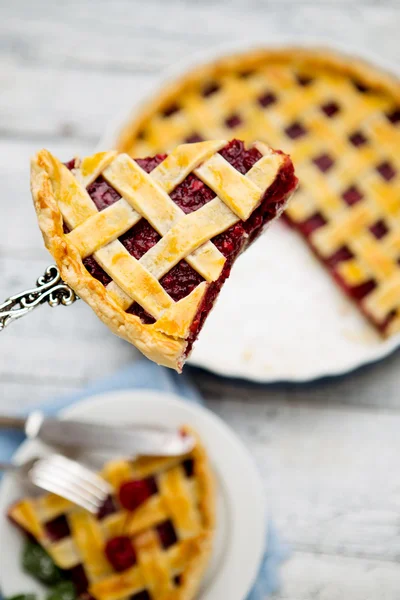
(330, 472)
(146, 36)
(72, 87)
(44, 104)
(24, 393)
(317, 577)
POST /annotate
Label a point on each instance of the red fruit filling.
(357, 293)
(57, 529)
(108, 508)
(188, 466)
(133, 493)
(144, 595)
(120, 553)
(191, 195)
(166, 533)
(79, 579)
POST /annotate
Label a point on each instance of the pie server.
(132, 441)
(49, 288)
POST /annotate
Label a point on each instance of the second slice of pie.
(148, 243)
(151, 540)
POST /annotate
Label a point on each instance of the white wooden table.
(329, 452)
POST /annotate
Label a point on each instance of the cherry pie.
(148, 243)
(339, 119)
(151, 540)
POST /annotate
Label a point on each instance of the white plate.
(241, 514)
(279, 316)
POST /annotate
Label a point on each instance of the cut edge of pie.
(242, 203)
(185, 499)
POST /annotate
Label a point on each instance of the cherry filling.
(191, 195)
(133, 493)
(188, 466)
(108, 508)
(167, 534)
(144, 595)
(120, 553)
(79, 579)
(102, 194)
(358, 292)
(57, 529)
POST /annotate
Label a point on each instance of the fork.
(66, 478)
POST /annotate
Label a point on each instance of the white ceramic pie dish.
(241, 516)
(310, 329)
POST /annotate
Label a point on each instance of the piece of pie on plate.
(151, 540)
(339, 119)
(148, 243)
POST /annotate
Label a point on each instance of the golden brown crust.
(316, 57)
(156, 346)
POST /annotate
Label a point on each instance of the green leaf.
(63, 591)
(38, 563)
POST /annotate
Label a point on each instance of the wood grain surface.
(329, 451)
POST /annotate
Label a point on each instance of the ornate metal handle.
(49, 288)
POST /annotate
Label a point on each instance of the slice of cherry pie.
(148, 243)
(151, 540)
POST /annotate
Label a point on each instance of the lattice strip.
(103, 227)
(348, 224)
(89, 542)
(182, 161)
(64, 553)
(187, 235)
(263, 173)
(75, 204)
(234, 189)
(155, 205)
(91, 167)
(175, 492)
(148, 515)
(116, 586)
(134, 279)
(153, 564)
(384, 299)
(50, 506)
(25, 514)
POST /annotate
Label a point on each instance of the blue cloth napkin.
(144, 374)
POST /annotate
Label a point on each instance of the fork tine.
(54, 486)
(65, 482)
(77, 473)
(70, 480)
(82, 472)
